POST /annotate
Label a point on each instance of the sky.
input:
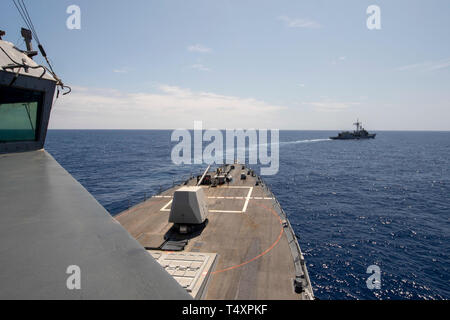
(300, 65)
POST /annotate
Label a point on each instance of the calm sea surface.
(352, 203)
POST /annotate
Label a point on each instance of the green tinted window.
(19, 114)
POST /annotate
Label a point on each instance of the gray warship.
(359, 133)
(220, 235)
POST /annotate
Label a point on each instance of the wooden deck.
(254, 256)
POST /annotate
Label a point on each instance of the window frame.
(29, 82)
(40, 102)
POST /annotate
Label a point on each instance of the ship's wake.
(255, 147)
(282, 143)
(303, 141)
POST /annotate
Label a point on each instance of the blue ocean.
(353, 204)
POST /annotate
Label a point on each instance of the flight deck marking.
(244, 209)
(165, 207)
(247, 199)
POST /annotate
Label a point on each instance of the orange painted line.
(262, 253)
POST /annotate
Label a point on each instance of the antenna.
(27, 36)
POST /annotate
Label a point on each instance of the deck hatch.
(190, 269)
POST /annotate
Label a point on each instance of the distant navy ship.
(359, 133)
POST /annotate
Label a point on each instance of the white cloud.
(338, 60)
(200, 67)
(410, 66)
(332, 105)
(440, 65)
(426, 66)
(299, 22)
(199, 48)
(168, 107)
(121, 70)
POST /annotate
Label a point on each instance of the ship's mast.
(357, 124)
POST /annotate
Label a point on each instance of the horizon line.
(191, 129)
